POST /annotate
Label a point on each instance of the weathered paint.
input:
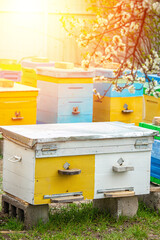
(92, 147)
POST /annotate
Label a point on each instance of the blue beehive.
(155, 162)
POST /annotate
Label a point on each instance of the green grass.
(85, 222)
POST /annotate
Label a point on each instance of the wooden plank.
(119, 194)
(67, 199)
(155, 189)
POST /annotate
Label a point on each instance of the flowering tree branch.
(125, 34)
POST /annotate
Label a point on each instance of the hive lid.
(36, 62)
(66, 73)
(18, 88)
(47, 133)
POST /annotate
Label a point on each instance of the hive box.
(154, 77)
(151, 105)
(112, 106)
(66, 95)
(155, 154)
(11, 75)
(18, 105)
(29, 67)
(43, 162)
(10, 65)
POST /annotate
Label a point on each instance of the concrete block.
(151, 200)
(126, 206)
(29, 214)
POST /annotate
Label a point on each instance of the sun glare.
(28, 5)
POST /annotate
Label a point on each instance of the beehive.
(29, 66)
(10, 69)
(155, 154)
(50, 161)
(66, 95)
(117, 106)
(18, 104)
(151, 105)
(154, 77)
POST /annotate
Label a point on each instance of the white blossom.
(131, 89)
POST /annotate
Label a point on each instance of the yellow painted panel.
(110, 109)
(28, 81)
(152, 107)
(134, 103)
(10, 64)
(48, 181)
(29, 72)
(64, 80)
(101, 110)
(18, 111)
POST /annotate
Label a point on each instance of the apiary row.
(66, 95)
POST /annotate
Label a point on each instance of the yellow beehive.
(29, 66)
(152, 108)
(10, 64)
(112, 109)
(18, 104)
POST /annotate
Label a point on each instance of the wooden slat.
(119, 194)
(67, 199)
(155, 189)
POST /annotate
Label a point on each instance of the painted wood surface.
(92, 147)
(28, 63)
(18, 177)
(155, 160)
(65, 73)
(152, 107)
(57, 102)
(108, 180)
(48, 181)
(12, 75)
(37, 134)
(18, 105)
(154, 77)
(111, 109)
(101, 87)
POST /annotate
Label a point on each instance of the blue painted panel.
(102, 86)
(75, 118)
(155, 167)
(156, 149)
(155, 77)
(138, 72)
(109, 73)
(155, 159)
(66, 105)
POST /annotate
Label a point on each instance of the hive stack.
(66, 95)
(29, 76)
(10, 69)
(117, 106)
(155, 154)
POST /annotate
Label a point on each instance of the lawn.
(82, 221)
